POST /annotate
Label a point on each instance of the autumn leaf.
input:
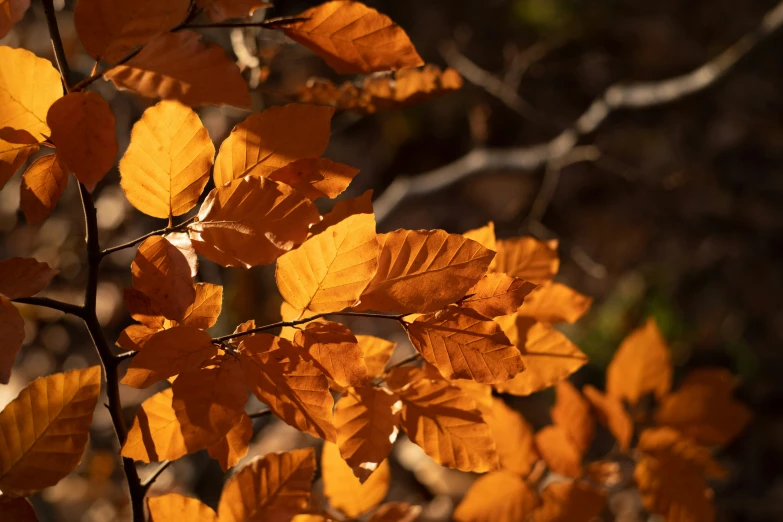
(640, 366)
(527, 258)
(222, 10)
(666, 441)
(343, 210)
(395, 512)
(558, 451)
(569, 502)
(329, 271)
(485, 236)
(353, 38)
(270, 140)
(17, 509)
(12, 12)
(366, 420)
(45, 430)
(513, 436)
(501, 496)
(251, 221)
(12, 333)
(42, 185)
(180, 66)
(174, 507)
(136, 336)
(376, 353)
(205, 309)
(335, 351)
(28, 87)
(24, 277)
(167, 163)
(15, 147)
(611, 412)
(162, 273)
(555, 303)
(572, 412)
(463, 344)
(272, 488)
(423, 271)
(498, 294)
(82, 127)
(229, 450)
(344, 491)
(316, 177)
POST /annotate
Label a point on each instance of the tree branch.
(616, 97)
(155, 474)
(161, 232)
(57, 44)
(67, 308)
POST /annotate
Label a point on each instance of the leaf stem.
(160, 232)
(271, 23)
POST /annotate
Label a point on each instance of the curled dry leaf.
(270, 140)
(353, 38)
(611, 412)
(174, 507)
(343, 210)
(229, 450)
(180, 66)
(251, 221)
(501, 496)
(167, 163)
(572, 412)
(24, 277)
(558, 451)
(222, 10)
(12, 12)
(15, 147)
(162, 273)
(569, 502)
(423, 271)
(497, 294)
(335, 351)
(343, 489)
(513, 436)
(82, 127)
(12, 334)
(329, 271)
(42, 185)
(275, 487)
(555, 303)
(527, 258)
(45, 430)
(316, 177)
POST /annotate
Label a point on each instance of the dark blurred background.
(676, 213)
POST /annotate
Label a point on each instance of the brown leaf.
(366, 423)
(498, 294)
(344, 209)
(179, 66)
(234, 445)
(12, 12)
(611, 412)
(17, 509)
(377, 353)
(136, 336)
(395, 512)
(24, 277)
(329, 271)
(222, 10)
(353, 38)
(335, 351)
(513, 436)
(174, 507)
(82, 125)
(316, 177)
(569, 502)
(272, 139)
(45, 430)
(640, 366)
(162, 273)
(558, 451)
(251, 221)
(423, 271)
(665, 441)
(167, 163)
(463, 344)
(527, 258)
(555, 303)
(205, 309)
(42, 185)
(501, 496)
(344, 491)
(15, 147)
(273, 488)
(572, 413)
(485, 236)
(674, 488)
(12, 334)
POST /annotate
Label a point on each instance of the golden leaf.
(167, 163)
(251, 221)
(344, 491)
(527, 258)
(667, 441)
(82, 127)
(162, 273)
(234, 445)
(611, 412)
(501, 496)
(45, 430)
(272, 488)
(136, 336)
(569, 502)
(674, 488)
(316, 177)
(555, 303)
(174, 507)
(12, 12)
(329, 271)
(203, 313)
(366, 423)
(12, 334)
(15, 147)
(353, 38)
(377, 353)
(42, 185)
(222, 10)
(423, 271)
(558, 451)
(344, 209)
(335, 351)
(17, 509)
(463, 344)
(498, 294)
(640, 366)
(513, 436)
(572, 413)
(179, 66)
(485, 236)
(395, 512)
(24, 276)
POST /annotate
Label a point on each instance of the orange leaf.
(572, 413)
(527, 258)
(82, 126)
(674, 488)
(42, 185)
(485, 236)
(377, 353)
(293, 388)
(667, 441)
(344, 491)
(640, 366)
(179, 66)
(366, 425)
(316, 177)
(272, 139)
(205, 309)
(136, 336)
(343, 210)
(12, 334)
(569, 502)
(234, 445)
(167, 163)
(28, 87)
(555, 303)
(395, 512)
(174, 507)
(335, 351)
(45, 430)
(513, 436)
(12, 12)
(222, 10)
(15, 147)
(423, 271)
(162, 273)
(498, 294)
(251, 221)
(168, 353)
(501, 496)
(110, 30)
(611, 412)
(558, 451)
(17, 509)
(463, 344)
(24, 276)
(329, 271)
(353, 38)
(272, 488)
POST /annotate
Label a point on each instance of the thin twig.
(161, 232)
(402, 362)
(616, 97)
(258, 414)
(271, 23)
(67, 308)
(155, 474)
(57, 43)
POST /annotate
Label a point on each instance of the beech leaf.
(24, 277)
(316, 177)
(569, 502)
(572, 413)
(335, 351)
(229, 450)
(162, 273)
(174, 507)
(497, 294)
(343, 489)
(344, 209)
(15, 147)
(377, 353)
(42, 185)
(501, 496)
(558, 451)
(12, 334)
(555, 303)
(527, 258)
(611, 412)
(513, 436)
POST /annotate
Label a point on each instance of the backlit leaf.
(501, 496)
(203, 313)
(342, 210)
(174, 507)
(527, 258)
(377, 353)
(335, 351)
(15, 147)
(485, 236)
(167, 164)
(24, 277)
(180, 66)
(555, 303)
(329, 271)
(664, 441)
(17, 509)
(251, 221)
(569, 502)
(353, 38)
(45, 430)
(42, 185)
(11, 12)
(423, 271)
(513, 436)
(136, 336)
(674, 488)
(234, 444)
(273, 488)
(12, 334)
(272, 139)
(498, 294)
(316, 177)
(82, 127)
(344, 490)
(611, 412)
(572, 412)
(558, 451)
(222, 10)
(162, 273)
